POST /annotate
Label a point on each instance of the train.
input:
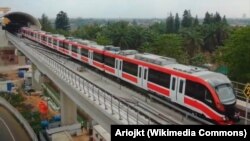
(204, 92)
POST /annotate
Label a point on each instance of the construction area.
(36, 106)
(33, 101)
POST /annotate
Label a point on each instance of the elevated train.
(207, 93)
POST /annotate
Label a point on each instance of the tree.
(196, 21)
(118, 32)
(187, 19)
(62, 21)
(235, 54)
(87, 31)
(169, 45)
(224, 20)
(208, 18)
(45, 23)
(102, 39)
(192, 41)
(176, 23)
(158, 27)
(217, 18)
(170, 24)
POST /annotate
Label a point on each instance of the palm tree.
(192, 41)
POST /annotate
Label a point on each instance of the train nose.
(230, 112)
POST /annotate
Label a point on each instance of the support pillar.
(3, 38)
(37, 78)
(68, 110)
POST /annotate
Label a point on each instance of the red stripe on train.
(205, 109)
(98, 65)
(159, 89)
(84, 59)
(129, 77)
(74, 55)
(109, 69)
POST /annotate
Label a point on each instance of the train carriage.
(202, 91)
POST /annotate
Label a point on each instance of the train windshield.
(226, 93)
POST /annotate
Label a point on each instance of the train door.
(70, 49)
(177, 89)
(79, 53)
(40, 38)
(118, 68)
(143, 77)
(58, 45)
(47, 40)
(90, 55)
(52, 42)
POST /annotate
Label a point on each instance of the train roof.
(213, 78)
(166, 62)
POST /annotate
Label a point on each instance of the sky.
(129, 8)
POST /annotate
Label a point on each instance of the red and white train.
(207, 93)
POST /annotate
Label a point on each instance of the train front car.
(225, 95)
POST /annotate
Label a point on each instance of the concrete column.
(3, 39)
(68, 110)
(37, 78)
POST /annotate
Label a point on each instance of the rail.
(239, 87)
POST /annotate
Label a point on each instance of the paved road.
(10, 129)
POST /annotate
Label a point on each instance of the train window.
(173, 83)
(66, 46)
(50, 40)
(195, 90)
(110, 61)
(160, 78)
(181, 86)
(145, 74)
(98, 57)
(139, 75)
(61, 44)
(55, 42)
(208, 97)
(84, 52)
(43, 38)
(130, 68)
(121, 65)
(74, 48)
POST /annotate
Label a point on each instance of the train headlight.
(225, 118)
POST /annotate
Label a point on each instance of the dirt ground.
(83, 137)
(35, 100)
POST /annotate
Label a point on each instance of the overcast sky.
(128, 8)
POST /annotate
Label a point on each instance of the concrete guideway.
(5, 134)
(103, 109)
(152, 109)
(11, 128)
(127, 96)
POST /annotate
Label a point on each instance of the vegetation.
(236, 54)
(33, 117)
(45, 23)
(62, 21)
(188, 39)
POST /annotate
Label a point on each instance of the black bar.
(165, 132)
